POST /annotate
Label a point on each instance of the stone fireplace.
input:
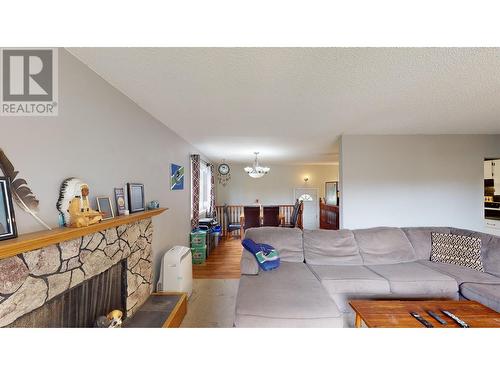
(81, 305)
(30, 280)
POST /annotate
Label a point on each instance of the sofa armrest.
(248, 264)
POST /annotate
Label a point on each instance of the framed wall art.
(176, 177)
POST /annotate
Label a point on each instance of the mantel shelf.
(37, 240)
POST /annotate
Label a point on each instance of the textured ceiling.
(292, 104)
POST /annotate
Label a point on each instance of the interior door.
(310, 215)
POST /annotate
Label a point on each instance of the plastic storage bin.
(198, 238)
(216, 233)
(176, 274)
(199, 254)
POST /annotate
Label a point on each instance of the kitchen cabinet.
(488, 169)
(492, 169)
(496, 171)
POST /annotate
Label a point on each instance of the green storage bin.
(199, 254)
(198, 238)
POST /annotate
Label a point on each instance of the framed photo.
(135, 194)
(176, 177)
(104, 206)
(8, 227)
(331, 193)
(120, 200)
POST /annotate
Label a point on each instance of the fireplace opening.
(80, 306)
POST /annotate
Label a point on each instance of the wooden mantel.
(37, 240)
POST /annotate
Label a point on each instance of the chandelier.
(256, 171)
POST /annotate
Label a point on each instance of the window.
(305, 197)
(205, 186)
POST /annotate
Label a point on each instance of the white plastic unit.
(492, 227)
(176, 273)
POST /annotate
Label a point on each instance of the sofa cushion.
(288, 241)
(458, 250)
(413, 279)
(384, 245)
(248, 264)
(490, 249)
(491, 254)
(487, 294)
(350, 282)
(350, 279)
(331, 247)
(462, 274)
(289, 296)
(420, 239)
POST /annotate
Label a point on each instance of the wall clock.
(224, 169)
(224, 175)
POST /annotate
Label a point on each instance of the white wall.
(275, 188)
(105, 139)
(414, 180)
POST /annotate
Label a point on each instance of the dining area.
(236, 219)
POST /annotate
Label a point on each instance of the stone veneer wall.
(29, 280)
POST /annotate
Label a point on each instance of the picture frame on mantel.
(8, 228)
(135, 193)
(104, 206)
(120, 201)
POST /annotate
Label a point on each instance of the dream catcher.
(223, 175)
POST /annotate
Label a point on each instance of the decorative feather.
(21, 193)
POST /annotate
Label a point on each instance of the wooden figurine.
(80, 212)
(74, 204)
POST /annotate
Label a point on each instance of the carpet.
(212, 304)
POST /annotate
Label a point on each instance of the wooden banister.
(300, 217)
(328, 216)
(235, 211)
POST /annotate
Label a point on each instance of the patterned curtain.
(213, 211)
(195, 190)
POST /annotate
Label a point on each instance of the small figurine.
(102, 322)
(115, 318)
(153, 204)
(74, 205)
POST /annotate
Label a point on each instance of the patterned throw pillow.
(458, 250)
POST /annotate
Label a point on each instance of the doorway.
(310, 215)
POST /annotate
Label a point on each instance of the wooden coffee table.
(395, 313)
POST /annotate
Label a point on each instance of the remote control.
(459, 321)
(437, 317)
(426, 323)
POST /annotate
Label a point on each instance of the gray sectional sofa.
(322, 269)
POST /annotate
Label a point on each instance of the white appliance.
(492, 226)
(176, 274)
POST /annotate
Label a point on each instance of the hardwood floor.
(223, 262)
